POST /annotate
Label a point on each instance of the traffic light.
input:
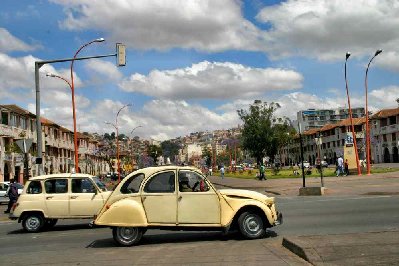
(120, 54)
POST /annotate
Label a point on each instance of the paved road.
(74, 242)
(337, 215)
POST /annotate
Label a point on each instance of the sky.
(191, 64)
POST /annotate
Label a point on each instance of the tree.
(207, 155)
(170, 149)
(154, 152)
(263, 134)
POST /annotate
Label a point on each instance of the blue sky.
(192, 64)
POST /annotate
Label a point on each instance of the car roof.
(61, 175)
(150, 170)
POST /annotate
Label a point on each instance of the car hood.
(242, 193)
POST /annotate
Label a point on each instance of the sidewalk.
(376, 184)
(376, 248)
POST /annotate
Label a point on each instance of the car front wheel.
(33, 222)
(127, 236)
(251, 225)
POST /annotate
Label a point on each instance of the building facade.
(317, 118)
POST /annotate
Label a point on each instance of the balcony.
(16, 133)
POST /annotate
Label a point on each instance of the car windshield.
(100, 184)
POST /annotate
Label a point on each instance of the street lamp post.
(70, 86)
(301, 152)
(351, 119)
(131, 147)
(120, 55)
(368, 148)
(117, 139)
(75, 137)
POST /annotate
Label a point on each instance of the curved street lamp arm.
(135, 129)
(117, 114)
(59, 77)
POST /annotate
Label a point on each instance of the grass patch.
(288, 173)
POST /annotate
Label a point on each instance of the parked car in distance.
(4, 186)
(306, 164)
(324, 164)
(48, 198)
(181, 198)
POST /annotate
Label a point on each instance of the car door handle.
(49, 197)
(179, 198)
(74, 197)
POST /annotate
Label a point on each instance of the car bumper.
(279, 219)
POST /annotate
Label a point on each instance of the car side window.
(54, 186)
(161, 183)
(82, 185)
(132, 185)
(35, 187)
(190, 181)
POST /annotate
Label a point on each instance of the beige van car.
(181, 198)
(47, 198)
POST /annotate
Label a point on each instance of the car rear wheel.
(33, 222)
(251, 225)
(127, 236)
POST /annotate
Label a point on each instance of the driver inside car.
(184, 184)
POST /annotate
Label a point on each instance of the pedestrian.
(12, 195)
(210, 171)
(222, 171)
(340, 166)
(346, 165)
(262, 172)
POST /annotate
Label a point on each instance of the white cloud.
(213, 80)
(384, 97)
(105, 69)
(9, 43)
(154, 24)
(327, 29)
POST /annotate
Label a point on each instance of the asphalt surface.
(357, 223)
(76, 244)
(365, 233)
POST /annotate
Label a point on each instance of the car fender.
(125, 212)
(239, 204)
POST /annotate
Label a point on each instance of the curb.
(302, 249)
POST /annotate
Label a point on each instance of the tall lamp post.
(348, 54)
(368, 148)
(70, 86)
(131, 133)
(117, 139)
(75, 137)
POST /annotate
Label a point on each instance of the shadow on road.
(177, 237)
(58, 228)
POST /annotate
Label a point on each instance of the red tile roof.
(386, 113)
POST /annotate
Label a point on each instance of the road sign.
(24, 144)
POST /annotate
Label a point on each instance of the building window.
(393, 136)
(384, 137)
(392, 120)
(4, 118)
(384, 122)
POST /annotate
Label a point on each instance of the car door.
(57, 197)
(84, 199)
(159, 198)
(199, 204)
